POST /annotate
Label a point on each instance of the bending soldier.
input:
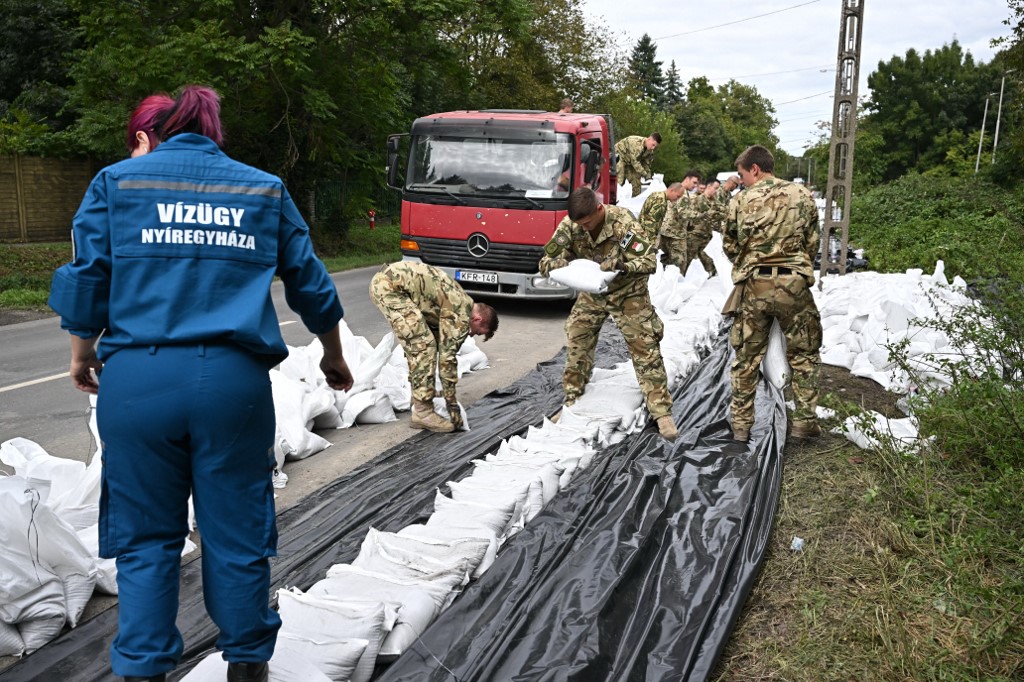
(611, 236)
(652, 215)
(636, 154)
(676, 226)
(771, 236)
(431, 316)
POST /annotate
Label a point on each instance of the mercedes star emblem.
(477, 245)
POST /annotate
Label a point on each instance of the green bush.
(972, 225)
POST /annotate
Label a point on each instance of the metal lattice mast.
(844, 130)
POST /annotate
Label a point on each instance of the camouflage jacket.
(681, 217)
(653, 213)
(446, 309)
(634, 155)
(621, 238)
(772, 223)
(711, 214)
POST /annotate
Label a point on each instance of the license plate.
(478, 277)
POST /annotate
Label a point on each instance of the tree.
(36, 39)
(673, 93)
(645, 71)
(918, 101)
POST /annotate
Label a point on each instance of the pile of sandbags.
(304, 403)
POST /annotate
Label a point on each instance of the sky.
(760, 40)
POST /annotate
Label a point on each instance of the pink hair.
(144, 117)
(196, 110)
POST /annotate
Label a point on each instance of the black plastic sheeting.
(637, 571)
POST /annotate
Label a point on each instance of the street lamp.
(999, 113)
(981, 139)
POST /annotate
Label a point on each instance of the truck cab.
(484, 190)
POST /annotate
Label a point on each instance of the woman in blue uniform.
(175, 252)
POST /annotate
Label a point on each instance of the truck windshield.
(491, 167)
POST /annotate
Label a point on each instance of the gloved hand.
(454, 414)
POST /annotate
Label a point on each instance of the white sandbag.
(421, 602)
(292, 440)
(282, 668)
(368, 407)
(596, 428)
(319, 406)
(409, 558)
(488, 493)
(547, 474)
(451, 514)
(67, 486)
(584, 275)
(371, 367)
(335, 658)
(313, 617)
(775, 366)
(421, 531)
(838, 356)
(393, 381)
(31, 592)
(60, 550)
(441, 407)
(11, 643)
(869, 431)
(106, 569)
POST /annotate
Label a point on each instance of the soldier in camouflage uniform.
(635, 156)
(676, 226)
(431, 316)
(653, 212)
(771, 236)
(611, 236)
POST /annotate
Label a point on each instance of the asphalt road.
(38, 402)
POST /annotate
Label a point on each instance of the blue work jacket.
(180, 246)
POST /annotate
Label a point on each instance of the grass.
(26, 269)
(912, 569)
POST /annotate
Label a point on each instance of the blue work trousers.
(176, 420)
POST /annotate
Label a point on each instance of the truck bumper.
(511, 285)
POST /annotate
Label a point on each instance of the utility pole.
(981, 138)
(999, 113)
(844, 130)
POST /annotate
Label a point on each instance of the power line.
(738, 21)
(803, 98)
(773, 73)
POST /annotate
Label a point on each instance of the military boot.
(740, 434)
(667, 428)
(802, 431)
(248, 672)
(424, 417)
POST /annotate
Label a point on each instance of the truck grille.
(505, 257)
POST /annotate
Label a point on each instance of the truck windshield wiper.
(444, 189)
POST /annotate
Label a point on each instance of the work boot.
(802, 431)
(667, 428)
(152, 678)
(424, 417)
(248, 672)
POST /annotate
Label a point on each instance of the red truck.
(484, 190)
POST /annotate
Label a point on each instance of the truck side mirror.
(392, 168)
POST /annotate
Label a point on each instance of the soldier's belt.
(772, 271)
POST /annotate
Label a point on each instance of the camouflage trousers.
(788, 299)
(417, 339)
(632, 176)
(641, 328)
(681, 251)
